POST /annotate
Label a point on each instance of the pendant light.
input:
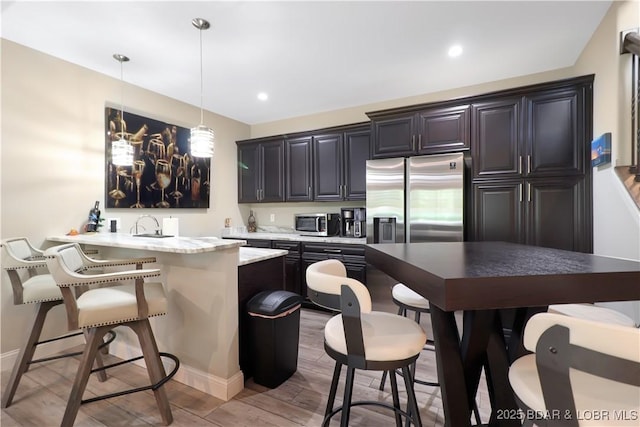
(121, 149)
(202, 137)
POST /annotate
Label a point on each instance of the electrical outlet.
(272, 217)
(117, 220)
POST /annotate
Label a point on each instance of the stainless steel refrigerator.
(416, 199)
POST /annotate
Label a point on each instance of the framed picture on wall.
(601, 150)
(163, 175)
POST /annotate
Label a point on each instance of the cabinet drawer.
(258, 243)
(335, 249)
(292, 247)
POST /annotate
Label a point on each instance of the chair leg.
(333, 389)
(102, 375)
(383, 380)
(346, 402)
(94, 339)
(27, 351)
(412, 404)
(154, 366)
(396, 398)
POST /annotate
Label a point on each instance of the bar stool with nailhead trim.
(31, 284)
(104, 303)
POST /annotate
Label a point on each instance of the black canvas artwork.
(164, 174)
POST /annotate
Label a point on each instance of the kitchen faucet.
(157, 230)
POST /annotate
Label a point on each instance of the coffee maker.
(354, 222)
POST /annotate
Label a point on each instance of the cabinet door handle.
(519, 165)
(520, 192)
(257, 194)
(413, 142)
(310, 194)
(528, 192)
(528, 165)
(333, 251)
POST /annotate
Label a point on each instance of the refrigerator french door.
(417, 199)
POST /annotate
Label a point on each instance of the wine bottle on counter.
(251, 223)
(94, 218)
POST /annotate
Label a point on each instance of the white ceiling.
(308, 56)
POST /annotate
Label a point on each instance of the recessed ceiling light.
(455, 50)
(263, 96)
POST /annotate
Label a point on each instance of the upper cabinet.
(428, 131)
(261, 171)
(298, 169)
(339, 165)
(534, 135)
(324, 165)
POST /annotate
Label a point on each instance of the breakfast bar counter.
(200, 276)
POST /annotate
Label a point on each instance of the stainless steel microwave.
(317, 224)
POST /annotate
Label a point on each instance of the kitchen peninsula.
(200, 275)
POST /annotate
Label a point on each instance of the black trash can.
(274, 324)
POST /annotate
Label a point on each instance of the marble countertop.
(251, 255)
(296, 237)
(183, 245)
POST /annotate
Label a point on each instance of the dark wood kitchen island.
(480, 278)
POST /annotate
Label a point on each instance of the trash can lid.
(273, 303)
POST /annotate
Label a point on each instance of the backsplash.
(283, 213)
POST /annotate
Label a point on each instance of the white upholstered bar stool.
(106, 302)
(582, 373)
(408, 300)
(360, 338)
(592, 312)
(31, 283)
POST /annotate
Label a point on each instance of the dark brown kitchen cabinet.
(442, 130)
(555, 133)
(430, 131)
(299, 169)
(535, 135)
(357, 150)
(261, 171)
(498, 211)
(292, 263)
(496, 138)
(548, 212)
(556, 214)
(339, 165)
(327, 167)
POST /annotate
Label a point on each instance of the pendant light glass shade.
(121, 149)
(202, 141)
(202, 137)
(121, 152)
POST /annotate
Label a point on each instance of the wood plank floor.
(300, 401)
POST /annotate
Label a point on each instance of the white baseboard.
(221, 388)
(8, 359)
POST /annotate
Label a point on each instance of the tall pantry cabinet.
(531, 177)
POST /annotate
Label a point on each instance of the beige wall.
(52, 168)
